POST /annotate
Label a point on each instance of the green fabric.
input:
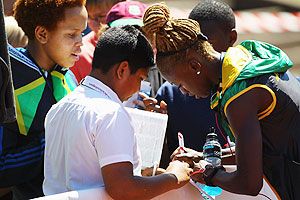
(70, 82)
(60, 84)
(230, 92)
(32, 98)
(266, 59)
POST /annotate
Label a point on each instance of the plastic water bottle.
(212, 154)
(212, 150)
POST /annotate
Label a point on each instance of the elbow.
(116, 195)
(253, 188)
(119, 194)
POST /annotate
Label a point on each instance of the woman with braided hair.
(256, 98)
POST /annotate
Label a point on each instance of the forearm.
(145, 187)
(235, 182)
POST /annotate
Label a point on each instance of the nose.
(79, 41)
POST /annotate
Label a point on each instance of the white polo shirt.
(85, 131)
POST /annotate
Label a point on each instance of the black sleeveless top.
(281, 135)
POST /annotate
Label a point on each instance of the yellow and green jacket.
(254, 64)
(248, 60)
(22, 142)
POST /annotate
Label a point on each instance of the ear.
(123, 70)
(41, 34)
(232, 37)
(195, 65)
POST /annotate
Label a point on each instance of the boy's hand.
(181, 170)
(150, 104)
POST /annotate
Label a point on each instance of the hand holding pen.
(185, 154)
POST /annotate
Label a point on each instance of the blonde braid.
(170, 34)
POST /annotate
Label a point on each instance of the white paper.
(150, 130)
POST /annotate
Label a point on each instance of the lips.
(76, 56)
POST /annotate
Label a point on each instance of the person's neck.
(107, 79)
(216, 67)
(39, 55)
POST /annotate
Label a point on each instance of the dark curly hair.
(126, 43)
(46, 13)
(215, 11)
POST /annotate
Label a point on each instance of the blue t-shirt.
(188, 115)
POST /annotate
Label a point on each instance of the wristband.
(209, 173)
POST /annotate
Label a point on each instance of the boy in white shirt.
(90, 138)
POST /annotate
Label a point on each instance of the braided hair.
(172, 37)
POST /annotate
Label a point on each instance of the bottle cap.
(211, 136)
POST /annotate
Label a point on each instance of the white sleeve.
(115, 140)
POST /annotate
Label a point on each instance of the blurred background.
(273, 21)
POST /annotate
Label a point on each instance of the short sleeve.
(164, 92)
(114, 140)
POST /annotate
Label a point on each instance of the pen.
(197, 172)
(155, 166)
(181, 142)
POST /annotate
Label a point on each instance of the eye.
(175, 84)
(71, 35)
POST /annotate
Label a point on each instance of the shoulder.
(94, 102)
(165, 91)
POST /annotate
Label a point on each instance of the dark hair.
(119, 44)
(215, 11)
(32, 13)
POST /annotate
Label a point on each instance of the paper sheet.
(150, 130)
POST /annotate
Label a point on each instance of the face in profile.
(133, 82)
(97, 16)
(188, 80)
(64, 42)
(219, 37)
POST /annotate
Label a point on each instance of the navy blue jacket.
(188, 115)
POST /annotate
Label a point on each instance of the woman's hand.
(198, 170)
(189, 156)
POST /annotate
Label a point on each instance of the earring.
(198, 72)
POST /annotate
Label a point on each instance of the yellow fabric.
(216, 102)
(235, 60)
(20, 119)
(20, 91)
(62, 77)
(262, 114)
(30, 86)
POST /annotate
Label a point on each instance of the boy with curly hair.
(41, 78)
